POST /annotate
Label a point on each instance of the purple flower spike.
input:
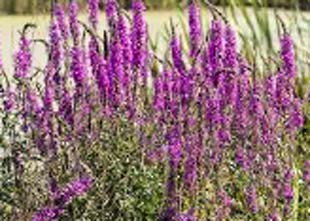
(116, 73)
(296, 117)
(111, 10)
(288, 56)
(139, 40)
(78, 68)
(94, 55)
(56, 54)
(66, 107)
(127, 56)
(176, 51)
(195, 31)
(23, 59)
(230, 51)
(73, 20)
(61, 21)
(215, 48)
(93, 7)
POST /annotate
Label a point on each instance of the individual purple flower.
(48, 214)
(23, 59)
(93, 7)
(288, 56)
(61, 21)
(195, 29)
(73, 21)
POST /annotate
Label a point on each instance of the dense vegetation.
(110, 130)
(39, 6)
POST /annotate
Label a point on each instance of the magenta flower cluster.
(216, 120)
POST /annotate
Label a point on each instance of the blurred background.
(41, 6)
(255, 21)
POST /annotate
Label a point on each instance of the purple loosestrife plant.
(224, 133)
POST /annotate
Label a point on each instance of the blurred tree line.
(43, 6)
